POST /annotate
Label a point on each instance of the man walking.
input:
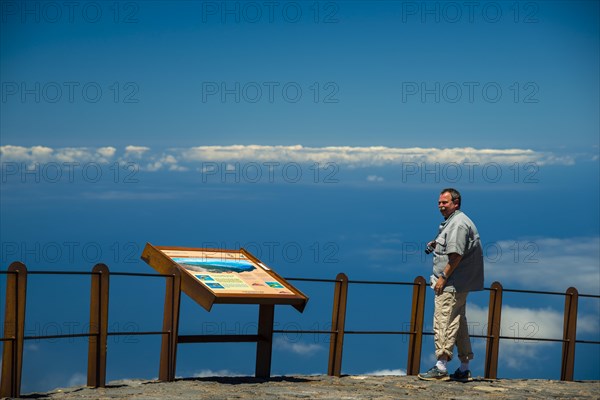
(457, 270)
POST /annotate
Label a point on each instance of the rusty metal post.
(96, 373)
(264, 346)
(493, 331)
(14, 328)
(569, 334)
(416, 326)
(338, 322)
(168, 349)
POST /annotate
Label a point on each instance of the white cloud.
(292, 373)
(374, 178)
(32, 347)
(135, 151)
(165, 161)
(545, 264)
(169, 159)
(154, 166)
(25, 154)
(41, 154)
(72, 155)
(107, 152)
(204, 373)
(77, 379)
(178, 168)
(387, 372)
(304, 349)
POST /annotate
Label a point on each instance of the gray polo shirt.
(458, 234)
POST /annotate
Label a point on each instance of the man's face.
(446, 205)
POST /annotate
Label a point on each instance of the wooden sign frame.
(255, 290)
(219, 276)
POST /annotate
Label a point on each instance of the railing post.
(338, 321)
(14, 327)
(96, 374)
(168, 349)
(416, 326)
(569, 334)
(493, 331)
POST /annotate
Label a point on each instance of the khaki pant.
(450, 326)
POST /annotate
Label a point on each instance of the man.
(457, 270)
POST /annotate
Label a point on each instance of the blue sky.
(318, 136)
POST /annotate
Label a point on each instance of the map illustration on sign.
(201, 264)
(228, 272)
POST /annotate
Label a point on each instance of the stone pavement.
(326, 387)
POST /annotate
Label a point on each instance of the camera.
(430, 247)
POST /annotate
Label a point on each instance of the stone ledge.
(326, 387)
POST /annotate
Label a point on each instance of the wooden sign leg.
(264, 346)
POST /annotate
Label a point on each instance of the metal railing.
(14, 323)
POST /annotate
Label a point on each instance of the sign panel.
(223, 276)
(228, 272)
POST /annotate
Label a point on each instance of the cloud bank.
(546, 263)
(43, 154)
(183, 159)
(302, 349)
